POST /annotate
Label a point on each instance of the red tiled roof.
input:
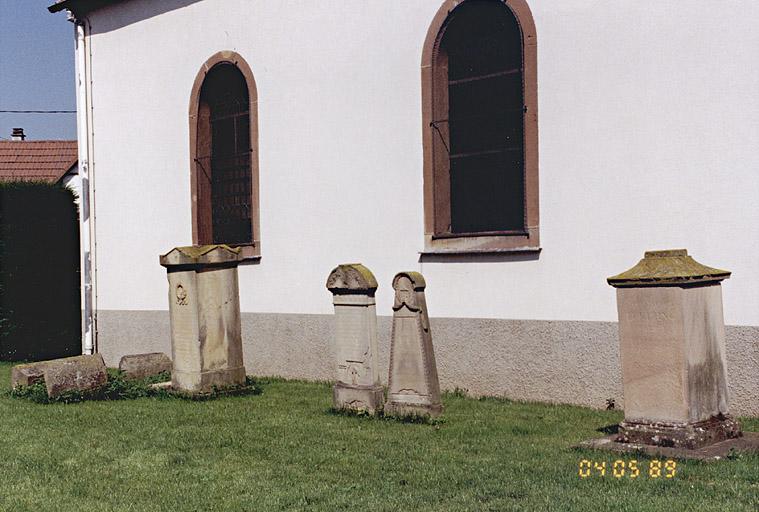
(43, 160)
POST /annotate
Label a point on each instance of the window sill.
(483, 243)
(249, 252)
(459, 252)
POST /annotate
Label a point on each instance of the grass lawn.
(283, 450)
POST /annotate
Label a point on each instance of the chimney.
(18, 134)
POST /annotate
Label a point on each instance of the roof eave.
(79, 7)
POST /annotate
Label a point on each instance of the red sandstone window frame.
(201, 206)
(437, 206)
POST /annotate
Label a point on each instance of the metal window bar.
(231, 206)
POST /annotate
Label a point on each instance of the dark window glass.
(483, 43)
(226, 94)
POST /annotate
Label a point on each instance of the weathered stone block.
(204, 304)
(27, 374)
(80, 373)
(358, 386)
(672, 348)
(142, 366)
(413, 384)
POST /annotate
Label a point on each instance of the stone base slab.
(747, 443)
(358, 398)
(411, 409)
(679, 435)
(204, 382)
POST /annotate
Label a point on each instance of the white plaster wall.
(648, 140)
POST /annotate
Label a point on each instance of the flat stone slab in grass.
(747, 443)
(142, 366)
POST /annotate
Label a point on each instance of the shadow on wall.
(479, 258)
(118, 17)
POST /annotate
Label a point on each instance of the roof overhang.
(80, 7)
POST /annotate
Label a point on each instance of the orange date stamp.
(627, 469)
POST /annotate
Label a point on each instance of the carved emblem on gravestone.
(413, 382)
(181, 294)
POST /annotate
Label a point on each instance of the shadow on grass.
(381, 416)
(609, 429)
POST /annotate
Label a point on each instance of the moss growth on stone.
(667, 267)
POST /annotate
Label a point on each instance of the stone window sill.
(483, 243)
(250, 252)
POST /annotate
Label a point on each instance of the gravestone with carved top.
(358, 385)
(672, 349)
(204, 303)
(413, 384)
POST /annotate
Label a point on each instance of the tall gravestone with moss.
(204, 303)
(672, 349)
(358, 385)
(413, 387)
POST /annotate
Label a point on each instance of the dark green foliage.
(39, 272)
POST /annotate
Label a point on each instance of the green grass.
(284, 450)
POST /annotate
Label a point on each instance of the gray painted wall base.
(547, 361)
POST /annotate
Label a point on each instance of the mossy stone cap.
(201, 255)
(417, 279)
(351, 277)
(670, 267)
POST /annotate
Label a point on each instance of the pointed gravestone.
(204, 302)
(413, 382)
(358, 386)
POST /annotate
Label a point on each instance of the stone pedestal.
(672, 349)
(413, 382)
(204, 302)
(358, 386)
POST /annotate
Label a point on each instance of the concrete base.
(534, 360)
(408, 409)
(358, 398)
(747, 443)
(204, 382)
(680, 435)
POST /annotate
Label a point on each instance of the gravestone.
(672, 349)
(358, 386)
(413, 384)
(142, 366)
(204, 303)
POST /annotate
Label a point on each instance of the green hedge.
(40, 310)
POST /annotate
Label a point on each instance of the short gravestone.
(142, 366)
(79, 373)
(672, 350)
(413, 384)
(358, 385)
(204, 304)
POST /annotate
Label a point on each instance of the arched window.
(224, 153)
(480, 120)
